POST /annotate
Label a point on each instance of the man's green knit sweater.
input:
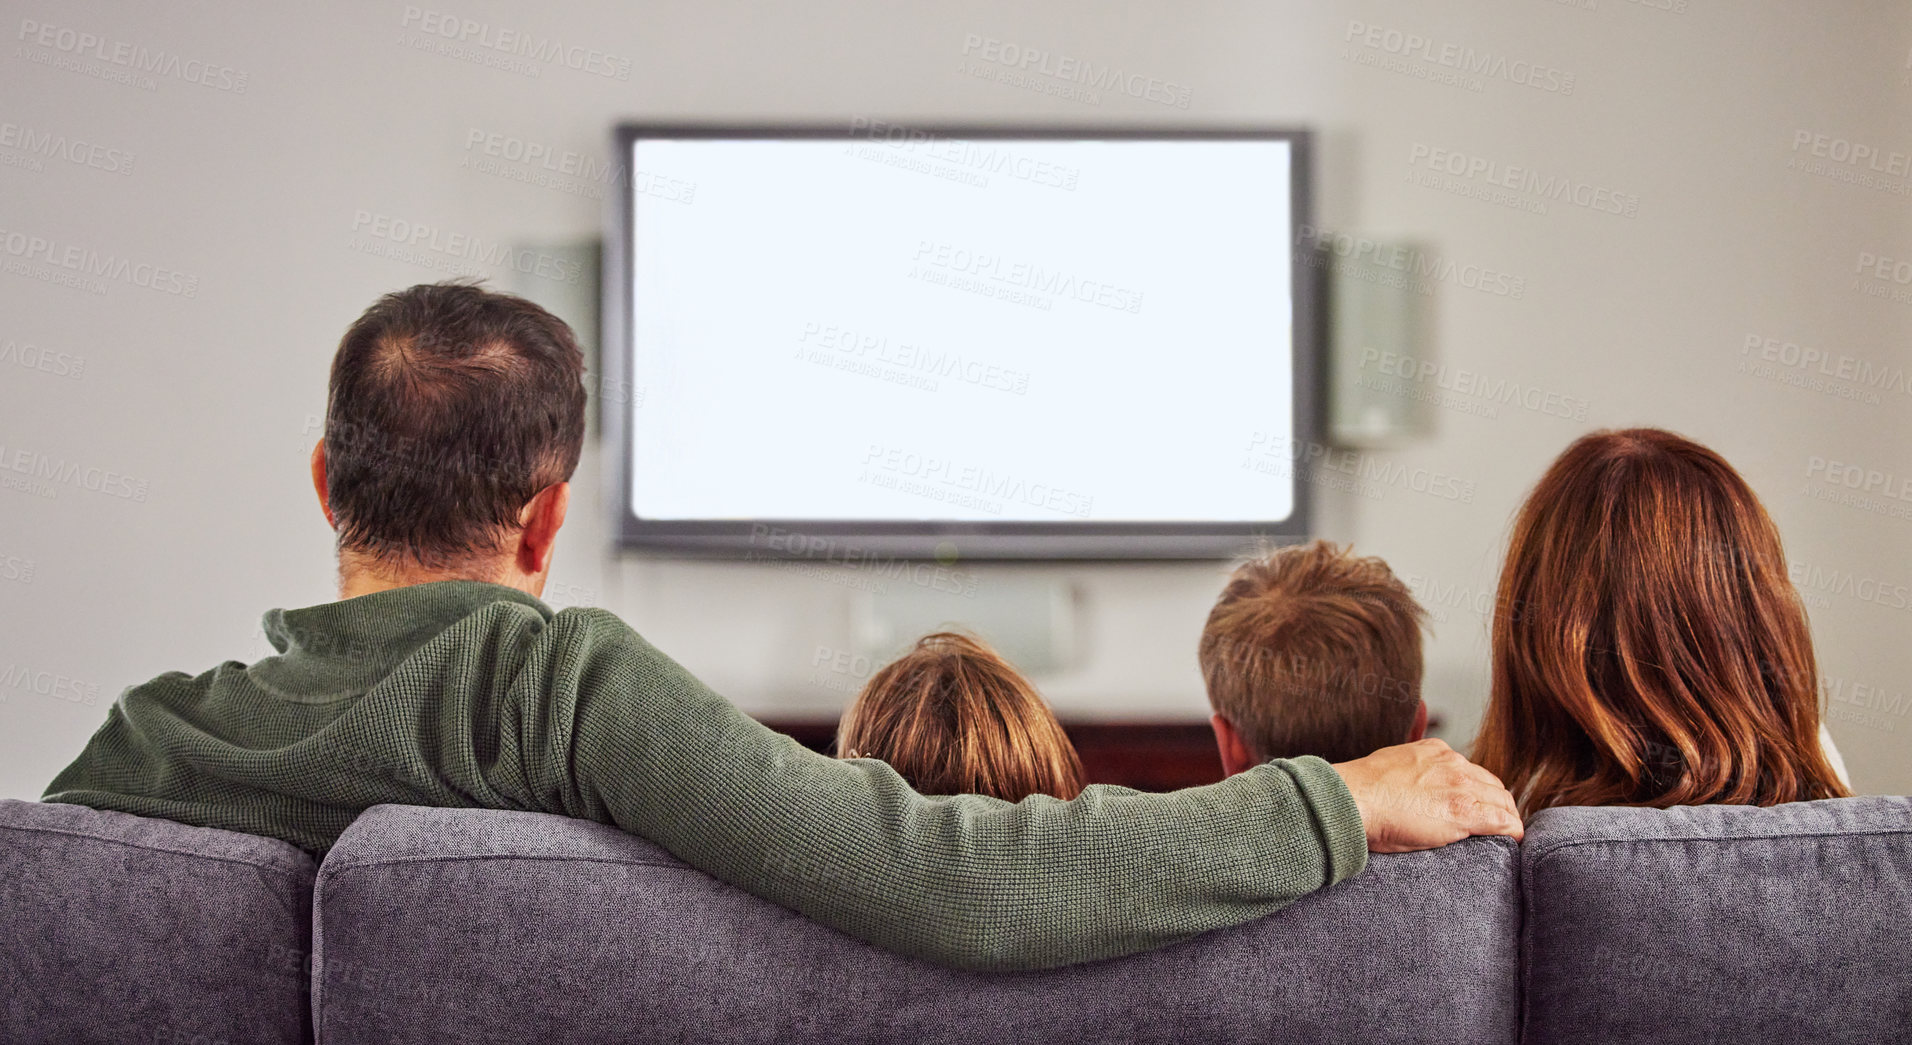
(460, 693)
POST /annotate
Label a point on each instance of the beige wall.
(206, 398)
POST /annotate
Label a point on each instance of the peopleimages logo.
(995, 269)
(1473, 383)
(1413, 47)
(1856, 477)
(19, 677)
(1856, 154)
(826, 558)
(76, 46)
(969, 485)
(36, 473)
(84, 262)
(44, 360)
(968, 156)
(433, 246)
(405, 453)
(903, 362)
(1880, 267)
(1890, 277)
(1440, 596)
(484, 35)
(14, 568)
(1807, 361)
(1525, 180)
(1312, 459)
(1416, 266)
(1067, 69)
(1811, 577)
(568, 162)
(1870, 697)
(566, 170)
(77, 151)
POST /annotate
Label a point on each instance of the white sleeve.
(1832, 755)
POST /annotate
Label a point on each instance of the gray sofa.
(1708, 924)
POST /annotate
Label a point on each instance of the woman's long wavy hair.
(1648, 646)
(953, 717)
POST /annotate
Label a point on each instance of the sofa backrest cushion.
(438, 924)
(118, 928)
(1729, 924)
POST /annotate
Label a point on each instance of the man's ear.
(1235, 756)
(318, 482)
(1420, 723)
(541, 519)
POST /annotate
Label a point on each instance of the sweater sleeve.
(966, 881)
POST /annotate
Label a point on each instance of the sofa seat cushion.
(467, 925)
(1730, 924)
(119, 928)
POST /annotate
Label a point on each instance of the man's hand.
(1424, 795)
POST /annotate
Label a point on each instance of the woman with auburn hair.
(1649, 648)
(953, 717)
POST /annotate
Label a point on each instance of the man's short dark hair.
(451, 406)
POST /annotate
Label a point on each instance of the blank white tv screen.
(887, 328)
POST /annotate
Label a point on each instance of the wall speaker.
(1380, 327)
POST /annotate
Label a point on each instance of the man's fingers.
(1502, 798)
(1478, 780)
(1505, 821)
(1477, 809)
(1481, 774)
(1498, 815)
(1497, 812)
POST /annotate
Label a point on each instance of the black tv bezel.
(945, 541)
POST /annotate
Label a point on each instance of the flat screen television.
(958, 342)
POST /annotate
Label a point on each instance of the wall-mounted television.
(958, 342)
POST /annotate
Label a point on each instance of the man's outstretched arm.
(967, 881)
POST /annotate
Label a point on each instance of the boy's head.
(953, 717)
(1312, 651)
